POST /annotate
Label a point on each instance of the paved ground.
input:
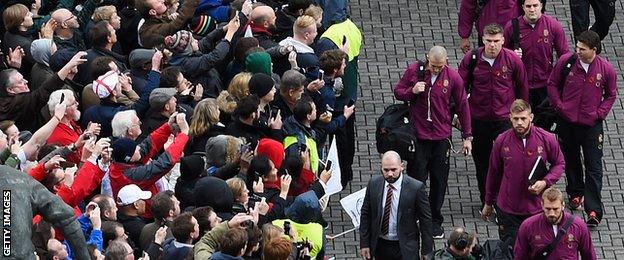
(398, 31)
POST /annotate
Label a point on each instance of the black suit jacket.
(413, 217)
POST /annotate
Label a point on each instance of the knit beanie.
(180, 42)
(258, 62)
(123, 149)
(272, 149)
(104, 85)
(202, 25)
(261, 84)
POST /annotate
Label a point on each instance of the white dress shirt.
(392, 227)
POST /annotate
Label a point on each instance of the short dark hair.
(100, 34)
(331, 60)
(143, 7)
(202, 215)
(108, 231)
(233, 241)
(493, 29)
(259, 167)
(182, 227)
(242, 46)
(247, 106)
(162, 204)
(589, 38)
(254, 236)
(169, 77)
(100, 65)
(303, 108)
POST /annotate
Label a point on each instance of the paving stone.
(399, 31)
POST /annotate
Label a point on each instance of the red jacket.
(148, 172)
(65, 135)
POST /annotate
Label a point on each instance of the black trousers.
(508, 225)
(387, 249)
(345, 144)
(432, 159)
(604, 13)
(484, 133)
(543, 118)
(574, 138)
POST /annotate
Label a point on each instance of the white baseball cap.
(130, 194)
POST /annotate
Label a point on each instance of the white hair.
(55, 99)
(122, 121)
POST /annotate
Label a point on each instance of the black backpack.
(394, 127)
(496, 249)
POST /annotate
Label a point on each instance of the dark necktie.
(385, 223)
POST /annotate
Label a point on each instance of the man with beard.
(540, 230)
(68, 132)
(514, 156)
(389, 191)
(431, 116)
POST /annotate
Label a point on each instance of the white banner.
(352, 204)
(334, 184)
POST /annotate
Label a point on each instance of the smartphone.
(91, 207)
(351, 103)
(274, 111)
(193, 89)
(245, 148)
(303, 148)
(328, 165)
(344, 39)
(321, 74)
(180, 109)
(62, 98)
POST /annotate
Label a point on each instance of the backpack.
(394, 128)
(545, 113)
(496, 249)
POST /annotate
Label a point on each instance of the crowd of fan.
(175, 130)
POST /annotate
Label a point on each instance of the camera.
(303, 250)
(247, 224)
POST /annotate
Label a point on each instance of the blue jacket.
(222, 256)
(106, 110)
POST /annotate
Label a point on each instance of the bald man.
(395, 200)
(263, 25)
(66, 34)
(430, 100)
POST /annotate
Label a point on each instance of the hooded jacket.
(306, 59)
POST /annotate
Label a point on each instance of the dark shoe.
(576, 203)
(438, 231)
(592, 219)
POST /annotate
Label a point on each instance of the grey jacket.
(28, 197)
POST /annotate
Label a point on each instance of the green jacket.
(209, 243)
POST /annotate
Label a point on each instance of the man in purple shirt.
(540, 230)
(499, 78)
(537, 37)
(582, 101)
(514, 155)
(430, 112)
(482, 13)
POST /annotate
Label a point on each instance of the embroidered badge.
(598, 76)
(591, 79)
(538, 237)
(570, 240)
(540, 149)
(504, 68)
(529, 153)
(545, 32)
(506, 149)
(446, 83)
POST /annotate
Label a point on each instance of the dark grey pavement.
(398, 31)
